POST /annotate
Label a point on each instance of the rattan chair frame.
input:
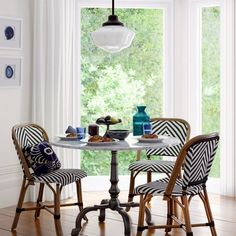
(134, 174)
(183, 201)
(29, 180)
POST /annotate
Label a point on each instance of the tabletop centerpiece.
(108, 121)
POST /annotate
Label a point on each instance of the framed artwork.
(10, 71)
(10, 33)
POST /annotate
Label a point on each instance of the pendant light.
(113, 36)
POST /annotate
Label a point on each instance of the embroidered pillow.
(41, 158)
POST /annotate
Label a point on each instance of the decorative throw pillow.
(41, 158)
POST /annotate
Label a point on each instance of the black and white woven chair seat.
(169, 127)
(158, 187)
(61, 176)
(195, 160)
(172, 127)
(152, 165)
(41, 166)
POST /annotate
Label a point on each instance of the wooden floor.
(223, 208)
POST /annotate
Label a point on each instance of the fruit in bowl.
(108, 120)
(120, 134)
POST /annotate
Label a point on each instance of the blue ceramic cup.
(147, 128)
(81, 132)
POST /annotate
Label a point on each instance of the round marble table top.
(130, 143)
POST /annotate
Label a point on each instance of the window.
(210, 76)
(198, 87)
(114, 84)
(211, 83)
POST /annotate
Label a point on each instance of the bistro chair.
(174, 127)
(31, 143)
(196, 158)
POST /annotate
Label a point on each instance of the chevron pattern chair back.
(31, 135)
(197, 155)
(178, 128)
(198, 161)
(27, 135)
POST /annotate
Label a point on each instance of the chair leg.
(170, 208)
(57, 221)
(24, 187)
(149, 176)
(39, 200)
(176, 210)
(149, 179)
(79, 197)
(131, 189)
(141, 216)
(187, 216)
(206, 203)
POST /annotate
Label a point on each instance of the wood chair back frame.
(29, 180)
(134, 174)
(185, 200)
(24, 163)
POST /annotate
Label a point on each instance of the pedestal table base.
(113, 203)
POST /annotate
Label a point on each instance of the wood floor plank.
(223, 209)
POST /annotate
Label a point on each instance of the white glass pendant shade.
(113, 38)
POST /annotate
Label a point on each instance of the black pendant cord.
(113, 19)
(113, 7)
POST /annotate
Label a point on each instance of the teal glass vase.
(139, 119)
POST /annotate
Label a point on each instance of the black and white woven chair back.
(170, 127)
(27, 135)
(198, 161)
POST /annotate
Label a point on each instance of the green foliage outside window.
(114, 84)
(211, 76)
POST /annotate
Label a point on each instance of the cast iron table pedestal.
(113, 203)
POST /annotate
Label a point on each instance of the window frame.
(181, 68)
(226, 184)
(168, 80)
(167, 6)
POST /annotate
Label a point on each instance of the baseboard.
(10, 184)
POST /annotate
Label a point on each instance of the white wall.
(15, 103)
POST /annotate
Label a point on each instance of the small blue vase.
(139, 119)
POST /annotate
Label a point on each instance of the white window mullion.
(227, 134)
(181, 59)
(169, 92)
(194, 105)
(228, 86)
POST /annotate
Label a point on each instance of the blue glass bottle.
(139, 119)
